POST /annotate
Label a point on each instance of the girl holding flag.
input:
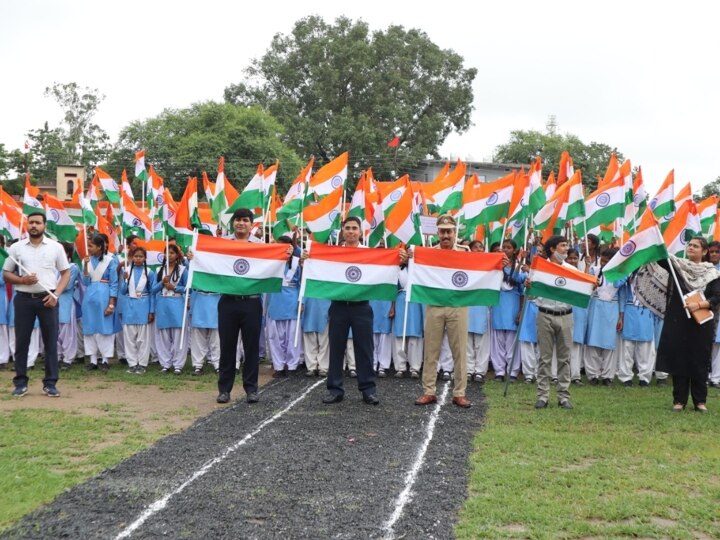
(169, 290)
(101, 281)
(138, 311)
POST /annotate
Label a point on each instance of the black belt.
(552, 312)
(34, 294)
(241, 296)
(348, 303)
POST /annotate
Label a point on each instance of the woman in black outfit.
(685, 346)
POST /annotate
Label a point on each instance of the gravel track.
(303, 470)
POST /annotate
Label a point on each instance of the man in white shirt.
(31, 267)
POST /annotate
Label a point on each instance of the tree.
(83, 142)
(183, 142)
(712, 188)
(340, 87)
(591, 158)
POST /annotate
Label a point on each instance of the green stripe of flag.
(348, 292)
(443, 297)
(559, 294)
(235, 285)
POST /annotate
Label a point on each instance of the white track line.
(406, 494)
(158, 505)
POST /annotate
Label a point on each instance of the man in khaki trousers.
(455, 319)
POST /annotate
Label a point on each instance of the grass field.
(620, 465)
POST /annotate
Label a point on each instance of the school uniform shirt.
(315, 314)
(528, 328)
(138, 300)
(606, 304)
(100, 286)
(638, 321)
(283, 305)
(505, 313)
(478, 319)
(66, 300)
(169, 304)
(382, 323)
(203, 309)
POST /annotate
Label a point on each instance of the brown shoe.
(426, 399)
(462, 401)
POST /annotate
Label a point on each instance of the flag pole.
(407, 298)
(187, 288)
(301, 295)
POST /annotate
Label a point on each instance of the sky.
(642, 77)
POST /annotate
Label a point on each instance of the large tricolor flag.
(134, 220)
(252, 196)
(602, 207)
(684, 224)
(350, 274)
(562, 283)
(10, 216)
(403, 221)
(441, 277)
(60, 225)
(487, 202)
(241, 268)
(445, 194)
(644, 247)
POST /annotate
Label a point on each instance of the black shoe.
(51, 391)
(20, 391)
(607, 382)
(91, 367)
(628, 383)
(332, 398)
(223, 397)
(565, 404)
(372, 399)
(541, 404)
(594, 381)
(123, 361)
(643, 383)
(105, 366)
(252, 397)
(65, 366)
(661, 382)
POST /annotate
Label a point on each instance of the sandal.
(700, 407)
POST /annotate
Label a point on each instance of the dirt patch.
(154, 409)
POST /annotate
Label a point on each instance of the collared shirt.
(42, 260)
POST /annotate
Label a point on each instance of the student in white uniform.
(315, 336)
(478, 344)
(204, 337)
(411, 357)
(138, 311)
(101, 291)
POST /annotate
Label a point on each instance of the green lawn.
(620, 465)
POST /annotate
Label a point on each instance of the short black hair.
(38, 213)
(242, 213)
(351, 218)
(552, 243)
(130, 238)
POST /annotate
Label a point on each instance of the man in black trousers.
(31, 266)
(239, 313)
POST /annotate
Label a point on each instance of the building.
(427, 170)
(67, 179)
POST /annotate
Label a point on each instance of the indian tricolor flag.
(322, 218)
(663, 204)
(403, 221)
(60, 225)
(487, 202)
(441, 277)
(643, 247)
(445, 193)
(30, 198)
(682, 227)
(350, 274)
(330, 176)
(707, 210)
(156, 251)
(240, 268)
(604, 205)
(110, 187)
(562, 283)
(140, 171)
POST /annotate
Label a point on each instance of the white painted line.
(160, 504)
(406, 494)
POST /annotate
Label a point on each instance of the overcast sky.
(640, 76)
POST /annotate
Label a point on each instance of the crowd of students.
(113, 308)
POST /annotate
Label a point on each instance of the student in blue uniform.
(169, 302)
(67, 319)
(506, 315)
(411, 357)
(282, 312)
(577, 352)
(383, 313)
(605, 322)
(138, 311)
(478, 344)
(101, 291)
(638, 343)
(315, 336)
(204, 337)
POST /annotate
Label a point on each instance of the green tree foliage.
(82, 141)
(591, 158)
(183, 142)
(712, 188)
(338, 87)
